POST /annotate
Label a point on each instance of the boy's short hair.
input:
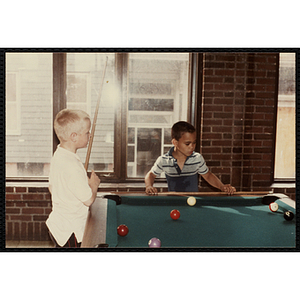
(181, 127)
(68, 121)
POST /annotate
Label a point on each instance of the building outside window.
(28, 114)
(285, 156)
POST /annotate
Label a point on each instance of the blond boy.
(72, 192)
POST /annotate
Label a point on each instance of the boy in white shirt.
(72, 192)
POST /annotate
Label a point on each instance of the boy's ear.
(174, 142)
(73, 136)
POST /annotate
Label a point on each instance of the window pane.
(158, 97)
(285, 155)
(28, 114)
(84, 77)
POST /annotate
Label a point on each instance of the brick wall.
(239, 111)
(26, 212)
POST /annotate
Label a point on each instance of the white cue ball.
(273, 206)
(191, 201)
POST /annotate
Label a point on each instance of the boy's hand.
(230, 190)
(150, 190)
(94, 180)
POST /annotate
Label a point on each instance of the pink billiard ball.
(154, 243)
(175, 214)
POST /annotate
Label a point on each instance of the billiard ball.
(288, 215)
(122, 230)
(191, 201)
(175, 214)
(273, 206)
(154, 243)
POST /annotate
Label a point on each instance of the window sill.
(283, 185)
(112, 186)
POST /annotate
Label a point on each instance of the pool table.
(239, 221)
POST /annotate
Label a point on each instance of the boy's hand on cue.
(94, 180)
(150, 190)
(230, 190)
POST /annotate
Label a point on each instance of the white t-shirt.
(70, 188)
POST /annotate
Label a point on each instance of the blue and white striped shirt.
(185, 180)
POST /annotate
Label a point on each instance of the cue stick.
(187, 194)
(211, 193)
(88, 154)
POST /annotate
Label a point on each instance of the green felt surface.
(212, 222)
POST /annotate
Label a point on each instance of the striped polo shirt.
(185, 180)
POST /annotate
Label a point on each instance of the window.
(157, 98)
(142, 96)
(285, 155)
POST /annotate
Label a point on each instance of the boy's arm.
(149, 181)
(94, 182)
(213, 180)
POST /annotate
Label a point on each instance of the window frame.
(59, 85)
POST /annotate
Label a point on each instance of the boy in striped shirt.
(182, 165)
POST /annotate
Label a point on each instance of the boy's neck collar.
(68, 147)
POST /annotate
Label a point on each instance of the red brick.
(37, 204)
(222, 115)
(12, 210)
(212, 136)
(265, 81)
(30, 231)
(213, 108)
(211, 150)
(16, 230)
(33, 211)
(38, 190)
(37, 230)
(40, 218)
(222, 128)
(23, 231)
(48, 210)
(33, 196)
(21, 218)
(224, 72)
(223, 101)
(20, 204)
(224, 86)
(213, 79)
(13, 197)
(9, 189)
(221, 143)
(8, 230)
(21, 189)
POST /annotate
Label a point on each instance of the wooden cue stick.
(210, 193)
(88, 154)
(186, 194)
